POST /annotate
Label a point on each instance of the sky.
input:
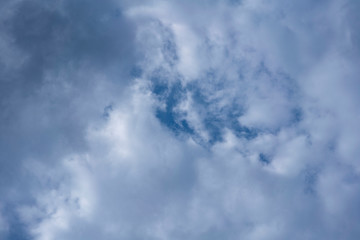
(179, 119)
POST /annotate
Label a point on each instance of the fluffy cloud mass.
(179, 119)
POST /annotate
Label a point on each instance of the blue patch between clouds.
(214, 128)
(214, 122)
(264, 159)
(297, 115)
(160, 89)
(242, 131)
(168, 117)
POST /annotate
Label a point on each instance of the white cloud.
(268, 91)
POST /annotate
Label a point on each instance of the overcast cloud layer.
(233, 119)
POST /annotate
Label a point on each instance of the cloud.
(3, 226)
(58, 57)
(66, 54)
(179, 120)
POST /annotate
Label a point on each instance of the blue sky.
(178, 119)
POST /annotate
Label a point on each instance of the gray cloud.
(179, 120)
(63, 63)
